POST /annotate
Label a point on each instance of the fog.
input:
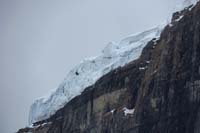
(41, 40)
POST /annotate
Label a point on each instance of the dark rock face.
(165, 94)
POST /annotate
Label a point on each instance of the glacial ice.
(89, 71)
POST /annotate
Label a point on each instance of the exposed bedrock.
(157, 93)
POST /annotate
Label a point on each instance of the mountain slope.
(157, 93)
(89, 71)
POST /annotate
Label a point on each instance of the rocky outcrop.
(158, 93)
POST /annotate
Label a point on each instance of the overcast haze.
(41, 40)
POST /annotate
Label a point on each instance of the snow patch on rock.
(128, 111)
(181, 4)
(112, 111)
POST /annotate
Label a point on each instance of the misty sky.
(41, 40)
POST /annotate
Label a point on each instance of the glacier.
(90, 70)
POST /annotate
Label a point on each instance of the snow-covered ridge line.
(89, 71)
(182, 4)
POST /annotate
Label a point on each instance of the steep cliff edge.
(157, 93)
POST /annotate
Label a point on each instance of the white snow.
(90, 70)
(147, 61)
(112, 111)
(181, 4)
(128, 111)
(142, 68)
(179, 18)
(170, 25)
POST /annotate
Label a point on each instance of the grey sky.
(41, 40)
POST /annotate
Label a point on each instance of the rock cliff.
(157, 93)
